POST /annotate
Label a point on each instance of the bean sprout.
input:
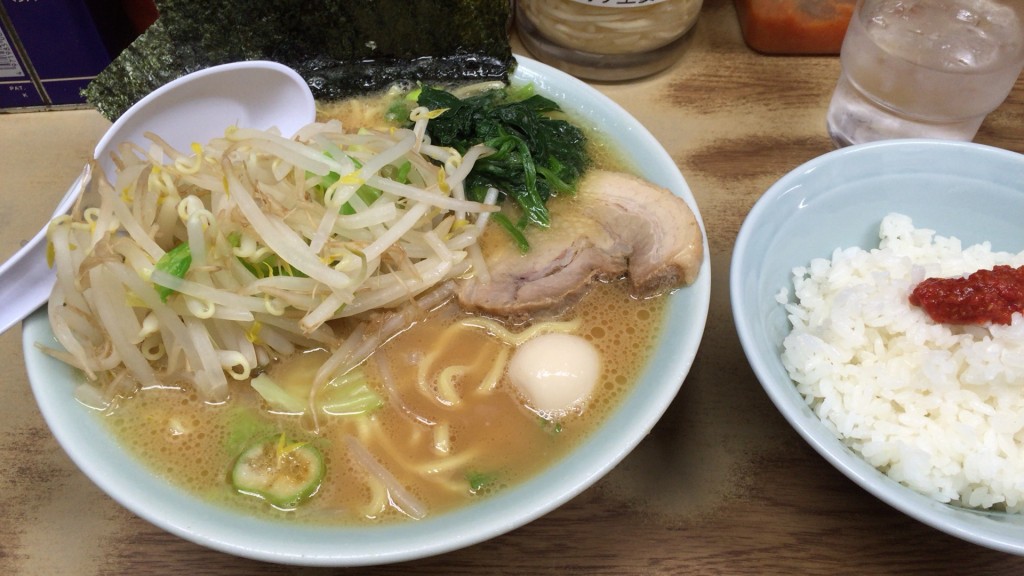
(212, 263)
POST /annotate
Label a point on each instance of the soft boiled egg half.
(555, 372)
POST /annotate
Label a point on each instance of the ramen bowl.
(135, 486)
(969, 191)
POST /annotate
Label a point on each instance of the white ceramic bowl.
(970, 191)
(198, 106)
(154, 499)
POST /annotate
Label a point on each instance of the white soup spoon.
(194, 108)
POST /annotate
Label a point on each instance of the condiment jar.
(606, 40)
(794, 26)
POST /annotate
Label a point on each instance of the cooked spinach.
(537, 155)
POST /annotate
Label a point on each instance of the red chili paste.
(794, 26)
(987, 296)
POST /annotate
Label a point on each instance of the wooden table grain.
(721, 486)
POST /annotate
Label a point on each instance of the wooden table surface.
(723, 485)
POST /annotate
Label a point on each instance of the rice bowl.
(839, 201)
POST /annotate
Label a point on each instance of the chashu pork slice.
(616, 225)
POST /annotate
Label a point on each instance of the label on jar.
(619, 3)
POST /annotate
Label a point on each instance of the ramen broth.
(494, 440)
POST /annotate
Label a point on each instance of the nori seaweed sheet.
(341, 47)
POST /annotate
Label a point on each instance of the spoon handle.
(27, 283)
(25, 279)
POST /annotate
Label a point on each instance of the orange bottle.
(794, 26)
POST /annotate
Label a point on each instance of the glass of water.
(925, 68)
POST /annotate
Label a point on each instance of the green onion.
(480, 480)
(276, 396)
(176, 263)
(243, 426)
(349, 394)
(366, 193)
(283, 473)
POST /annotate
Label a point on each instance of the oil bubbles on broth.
(445, 454)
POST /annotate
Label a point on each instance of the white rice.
(938, 408)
